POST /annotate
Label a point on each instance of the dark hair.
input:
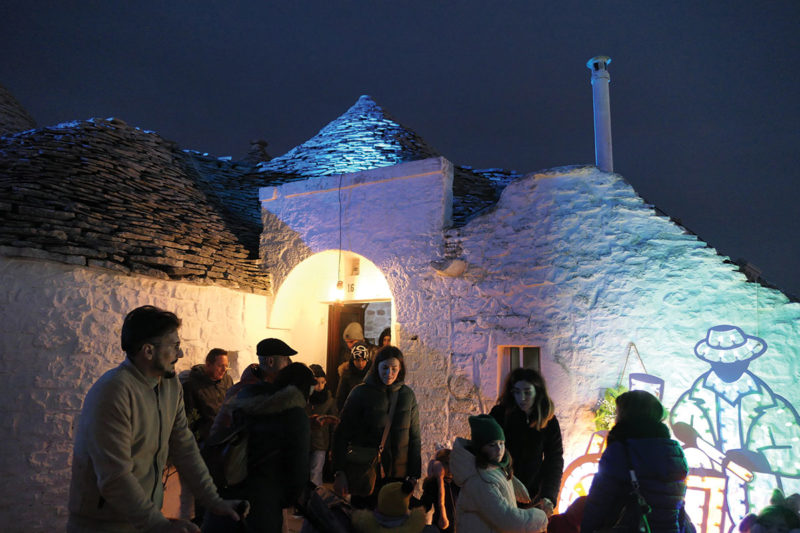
(542, 410)
(144, 324)
(387, 352)
(385, 333)
(213, 354)
(296, 374)
(639, 405)
(482, 462)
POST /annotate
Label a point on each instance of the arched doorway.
(310, 310)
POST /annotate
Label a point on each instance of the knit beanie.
(393, 499)
(353, 332)
(485, 429)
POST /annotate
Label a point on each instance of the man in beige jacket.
(132, 421)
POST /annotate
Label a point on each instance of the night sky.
(704, 95)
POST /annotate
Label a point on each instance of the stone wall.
(571, 261)
(575, 262)
(61, 329)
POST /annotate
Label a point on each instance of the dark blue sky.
(704, 105)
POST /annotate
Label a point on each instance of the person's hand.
(340, 484)
(545, 505)
(443, 522)
(177, 525)
(234, 509)
(316, 421)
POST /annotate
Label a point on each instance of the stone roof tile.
(107, 195)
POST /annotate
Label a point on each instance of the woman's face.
(524, 394)
(388, 370)
(387, 340)
(494, 451)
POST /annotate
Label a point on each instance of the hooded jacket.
(127, 428)
(365, 415)
(661, 470)
(538, 454)
(278, 449)
(487, 501)
(203, 398)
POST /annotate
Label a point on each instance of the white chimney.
(602, 112)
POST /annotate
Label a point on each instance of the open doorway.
(374, 317)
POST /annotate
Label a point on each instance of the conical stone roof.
(13, 117)
(363, 138)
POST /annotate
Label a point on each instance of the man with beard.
(132, 419)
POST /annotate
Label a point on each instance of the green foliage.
(606, 409)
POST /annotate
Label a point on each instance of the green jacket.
(362, 421)
(203, 398)
(128, 427)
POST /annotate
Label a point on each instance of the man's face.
(166, 352)
(216, 370)
(274, 363)
(350, 343)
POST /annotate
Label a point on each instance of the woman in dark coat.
(278, 449)
(533, 436)
(658, 461)
(364, 417)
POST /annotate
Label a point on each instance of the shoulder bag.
(633, 516)
(363, 462)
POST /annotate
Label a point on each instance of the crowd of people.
(365, 438)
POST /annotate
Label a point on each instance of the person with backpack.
(273, 417)
(639, 442)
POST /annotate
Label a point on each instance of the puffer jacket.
(278, 449)
(538, 454)
(362, 421)
(127, 428)
(661, 470)
(487, 502)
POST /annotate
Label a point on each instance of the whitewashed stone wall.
(570, 260)
(60, 332)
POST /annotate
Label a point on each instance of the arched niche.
(302, 304)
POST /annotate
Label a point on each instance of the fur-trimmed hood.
(365, 521)
(262, 399)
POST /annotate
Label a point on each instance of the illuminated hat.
(729, 344)
(360, 350)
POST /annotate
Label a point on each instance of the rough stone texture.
(13, 117)
(103, 194)
(570, 260)
(66, 324)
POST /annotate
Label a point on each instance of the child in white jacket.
(489, 490)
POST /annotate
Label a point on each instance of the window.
(513, 357)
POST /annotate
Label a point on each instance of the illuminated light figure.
(755, 432)
(577, 478)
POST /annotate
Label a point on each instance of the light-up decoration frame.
(741, 439)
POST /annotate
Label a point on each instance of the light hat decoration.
(729, 344)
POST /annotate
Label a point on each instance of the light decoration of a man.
(741, 440)
(747, 433)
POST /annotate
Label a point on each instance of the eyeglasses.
(177, 345)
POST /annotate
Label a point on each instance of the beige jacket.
(125, 433)
(487, 502)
